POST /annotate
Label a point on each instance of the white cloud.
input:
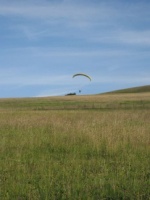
(99, 21)
(135, 37)
(49, 11)
(141, 79)
(24, 77)
(74, 14)
(138, 37)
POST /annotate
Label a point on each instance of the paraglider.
(81, 74)
(84, 75)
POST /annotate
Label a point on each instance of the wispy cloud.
(21, 76)
(28, 79)
(64, 52)
(73, 10)
(131, 37)
(98, 21)
(51, 11)
(137, 79)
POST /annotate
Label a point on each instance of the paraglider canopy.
(81, 74)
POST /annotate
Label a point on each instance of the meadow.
(75, 147)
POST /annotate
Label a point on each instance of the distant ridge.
(139, 89)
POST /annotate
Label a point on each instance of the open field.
(75, 147)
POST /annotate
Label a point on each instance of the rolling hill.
(139, 89)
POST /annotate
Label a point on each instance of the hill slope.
(139, 89)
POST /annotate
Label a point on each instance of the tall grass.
(74, 154)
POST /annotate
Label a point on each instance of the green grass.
(77, 103)
(65, 148)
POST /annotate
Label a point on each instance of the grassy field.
(75, 147)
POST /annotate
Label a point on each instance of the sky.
(43, 43)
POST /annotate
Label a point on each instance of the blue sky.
(44, 42)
